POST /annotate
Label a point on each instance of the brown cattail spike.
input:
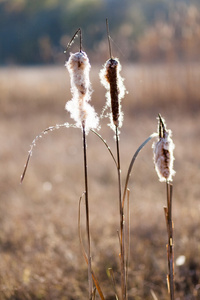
(113, 82)
(111, 77)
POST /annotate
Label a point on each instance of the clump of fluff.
(163, 155)
(80, 110)
(113, 82)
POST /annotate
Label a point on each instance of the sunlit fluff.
(113, 82)
(80, 110)
(163, 156)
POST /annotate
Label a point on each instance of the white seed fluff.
(163, 156)
(80, 110)
(121, 90)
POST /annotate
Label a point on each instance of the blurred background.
(157, 42)
(35, 32)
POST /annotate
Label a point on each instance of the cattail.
(85, 117)
(163, 153)
(113, 82)
(80, 110)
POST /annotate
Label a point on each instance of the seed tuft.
(163, 153)
(80, 110)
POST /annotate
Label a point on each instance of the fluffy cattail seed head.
(163, 153)
(81, 111)
(113, 82)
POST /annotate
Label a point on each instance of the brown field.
(40, 256)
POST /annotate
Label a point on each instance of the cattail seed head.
(111, 76)
(81, 111)
(113, 82)
(163, 153)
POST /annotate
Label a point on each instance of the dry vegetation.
(40, 257)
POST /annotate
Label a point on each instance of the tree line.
(35, 32)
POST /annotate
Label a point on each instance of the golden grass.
(40, 257)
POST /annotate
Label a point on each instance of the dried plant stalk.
(96, 282)
(122, 222)
(113, 82)
(170, 244)
(163, 159)
(87, 215)
(85, 117)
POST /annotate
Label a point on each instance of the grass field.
(40, 256)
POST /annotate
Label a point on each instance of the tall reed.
(83, 113)
(113, 82)
(164, 159)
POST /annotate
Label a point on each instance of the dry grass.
(40, 257)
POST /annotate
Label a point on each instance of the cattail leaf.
(132, 163)
(39, 136)
(105, 143)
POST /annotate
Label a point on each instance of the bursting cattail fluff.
(80, 110)
(163, 153)
(113, 82)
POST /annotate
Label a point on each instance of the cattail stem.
(127, 238)
(163, 159)
(87, 215)
(170, 246)
(118, 169)
(121, 210)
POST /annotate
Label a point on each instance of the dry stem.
(121, 209)
(96, 282)
(87, 215)
(170, 246)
